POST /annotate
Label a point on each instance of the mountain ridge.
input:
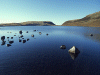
(91, 20)
(30, 23)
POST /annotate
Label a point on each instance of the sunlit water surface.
(41, 54)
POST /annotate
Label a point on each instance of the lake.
(41, 54)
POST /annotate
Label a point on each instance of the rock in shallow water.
(11, 42)
(32, 35)
(20, 31)
(27, 39)
(8, 45)
(2, 37)
(20, 40)
(63, 47)
(74, 50)
(24, 41)
(40, 33)
(26, 31)
(11, 37)
(47, 34)
(91, 34)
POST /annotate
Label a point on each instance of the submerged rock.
(74, 50)
(63, 47)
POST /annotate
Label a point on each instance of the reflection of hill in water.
(73, 56)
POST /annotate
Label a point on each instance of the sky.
(57, 11)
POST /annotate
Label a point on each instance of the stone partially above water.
(2, 37)
(63, 47)
(91, 34)
(32, 35)
(40, 33)
(8, 45)
(20, 31)
(74, 50)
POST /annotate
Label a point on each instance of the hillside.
(92, 20)
(30, 23)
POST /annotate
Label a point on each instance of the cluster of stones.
(20, 38)
(3, 42)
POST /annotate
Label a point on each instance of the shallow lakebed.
(41, 54)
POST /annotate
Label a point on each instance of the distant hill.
(92, 20)
(30, 23)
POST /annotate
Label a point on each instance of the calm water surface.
(41, 54)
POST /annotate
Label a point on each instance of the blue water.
(41, 54)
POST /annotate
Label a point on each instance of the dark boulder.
(63, 47)
(20, 40)
(21, 36)
(2, 37)
(27, 39)
(47, 34)
(3, 42)
(11, 42)
(7, 37)
(8, 45)
(20, 31)
(11, 37)
(91, 34)
(24, 41)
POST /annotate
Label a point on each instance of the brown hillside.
(30, 23)
(92, 20)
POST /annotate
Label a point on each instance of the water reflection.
(73, 56)
(46, 53)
